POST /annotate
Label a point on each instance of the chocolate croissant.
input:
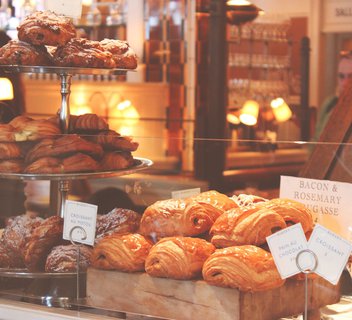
(245, 225)
(176, 217)
(292, 212)
(125, 252)
(178, 258)
(248, 268)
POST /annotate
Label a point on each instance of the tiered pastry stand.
(61, 182)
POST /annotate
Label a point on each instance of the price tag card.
(329, 201)
(285, 245)
(332, 252)
(78, 216)
(70, 8)
(181, 194)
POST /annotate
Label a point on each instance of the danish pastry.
(122, 53)
(178, 258)
(176, 217)
(46, 28)
(17, 52)
(117, 220)
(43, 238)
(79, 52)
(126, 252)
(248, 268)
(245, 225)
(63, 258)
(8, 258)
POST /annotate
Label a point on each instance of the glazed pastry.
(292, 212)
(36, 130)
(78, 162)
(16, 234)
(62, 147)
(9, 258)
(83, 53)
(20, 122)
(7, 133)
(245, 200)
(248, 268)
(12, 166)
(9, 150)
(117, 221)
(17, 52)
(122, 53)
(122, 252)
(116, 161)
(178, 258)
(111, 141)
(88, 122)
(64, 258)
(246, 225)
(43, 238)
(176, 217)
(215, 199)
(46, 28)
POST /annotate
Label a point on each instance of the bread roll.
(248, 268)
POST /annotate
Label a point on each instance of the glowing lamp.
(249, 113)
(128, 112)
(6, 89)
(281, 110)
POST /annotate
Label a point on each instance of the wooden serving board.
(196, 300)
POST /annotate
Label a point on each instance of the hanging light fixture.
(232, 116)
(6, 89)
(241, 11)
(281, 110)
(249, 113)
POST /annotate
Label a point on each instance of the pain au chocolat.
(178, 257)
(248, 268)
(46, 28)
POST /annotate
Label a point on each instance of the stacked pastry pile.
(37, 147)
(37, 244)
(48, 39)
(211, 235)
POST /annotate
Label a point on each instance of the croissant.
(87, 122)
(178, 258)
(37, 130)
(292, 212)
(248, 268)
(216, 200)
(176, 217)
(20, 122)
(7, 133)
(43, 238)
(116, 161)
(121, 252)
(245, 225)
(12, 166)
(9, 151)
(244, 200)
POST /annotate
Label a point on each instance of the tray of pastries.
(48, 43)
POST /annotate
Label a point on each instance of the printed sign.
(329, 201)
(285, 245)
(181, 194)
(70, 8)
(332, 253)
(81, 218)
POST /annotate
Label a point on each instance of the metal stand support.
(65, 105)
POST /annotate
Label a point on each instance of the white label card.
(181, 194)
(332, 252)
(285, 245)
(70, 8)
(78, 216)
(329, 201)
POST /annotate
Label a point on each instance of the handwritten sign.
(181, 194)
(285, 245)
(329, 201)
(82, 215)
(70, 8)
(332, 253)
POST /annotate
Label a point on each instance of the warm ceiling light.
(238, 3)
(281, 110)
(249, 113)
(232, 118)
(6, 89)
(241, 11)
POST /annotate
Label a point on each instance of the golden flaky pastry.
(88, 122)
(125, 252)
(176, 217)
(9, 150)
(248, 268)
(245, 225)
(178, 258)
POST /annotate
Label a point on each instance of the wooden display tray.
(196, 300)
